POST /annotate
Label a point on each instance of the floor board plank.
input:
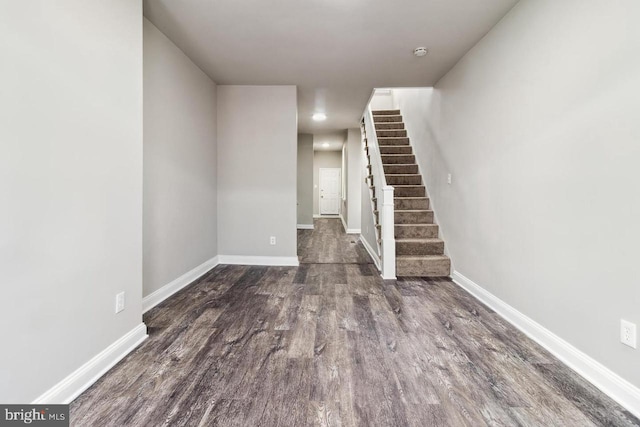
(329, 343)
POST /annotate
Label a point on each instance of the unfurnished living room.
(320, 212)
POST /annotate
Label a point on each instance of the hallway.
(334, 344)
(327, 243)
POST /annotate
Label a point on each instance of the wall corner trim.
(280, 261)
(616, 387)
(304, 226)
(174, 286)
(82, 378)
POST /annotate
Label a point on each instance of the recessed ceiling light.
(420, 51)
(319, 117)
(325, 145)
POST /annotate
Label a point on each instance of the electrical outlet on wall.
(449, 178)
(119, 302)
(272, 240)
(627, 333)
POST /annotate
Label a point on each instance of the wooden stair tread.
(419, 248)
(375, 199)
(412, 225)
(422, 257)
(407, 210)
(395, 116)
(385, 112)
(416, 240)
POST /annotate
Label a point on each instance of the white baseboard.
(616, 387)
(374, 254)
(174, 286)
(349, 230)
(304, 226)
(326, 216)
(82, 378)
(259, 260)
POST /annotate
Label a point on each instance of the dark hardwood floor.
(328, 243)
(334, 344)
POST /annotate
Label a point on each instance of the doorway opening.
(329, 190)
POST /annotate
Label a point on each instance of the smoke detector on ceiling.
(420, 51)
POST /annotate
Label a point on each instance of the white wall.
(305, 179)
(70, 185)
(417, 114)
(257, 144)
(354, 151)
(180, 195)
(538, 125)
(323, 159)
(382, 99)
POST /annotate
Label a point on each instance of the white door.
(330, 186)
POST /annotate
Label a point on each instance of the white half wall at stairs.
(372, 252)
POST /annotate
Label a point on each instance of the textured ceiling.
(335, 51)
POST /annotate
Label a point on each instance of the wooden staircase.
(419, 251)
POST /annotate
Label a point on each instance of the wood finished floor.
(327, 243)
(335, 345)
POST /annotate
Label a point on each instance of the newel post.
(387, 234)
